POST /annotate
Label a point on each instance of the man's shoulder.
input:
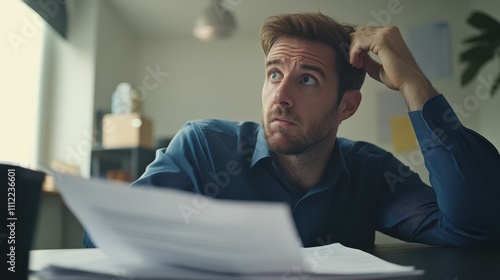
(223, 127)
(351, 148)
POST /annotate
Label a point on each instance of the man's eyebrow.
(315, 69)
(274, 62)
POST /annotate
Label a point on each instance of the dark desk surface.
(442, 263)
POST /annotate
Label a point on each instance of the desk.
(438, 262)
(442, 263)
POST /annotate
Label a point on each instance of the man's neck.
(306, 170)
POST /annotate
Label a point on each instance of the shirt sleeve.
(462, 208)
(176, 166)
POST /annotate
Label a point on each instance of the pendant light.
(215, 22)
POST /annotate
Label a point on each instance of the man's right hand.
(398, 69)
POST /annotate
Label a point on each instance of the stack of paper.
(147, 232)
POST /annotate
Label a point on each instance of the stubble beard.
(315, 136)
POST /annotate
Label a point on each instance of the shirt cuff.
(436, 123)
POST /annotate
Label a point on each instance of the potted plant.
(483, 48)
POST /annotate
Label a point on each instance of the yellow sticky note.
(403, 135)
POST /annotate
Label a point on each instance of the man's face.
(299, 96)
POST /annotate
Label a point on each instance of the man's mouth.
(283, 121)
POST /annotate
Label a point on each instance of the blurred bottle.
(125, 100)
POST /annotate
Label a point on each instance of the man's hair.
(316, 27)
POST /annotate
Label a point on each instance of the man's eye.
(274, 76)
(308, 80)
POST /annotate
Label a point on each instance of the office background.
(114, 41)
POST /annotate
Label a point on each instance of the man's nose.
(283, 94)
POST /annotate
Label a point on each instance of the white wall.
(20, 56)
(115, 56)
(220, 79)
(488, 109)
(68, 88)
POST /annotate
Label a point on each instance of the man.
(339, 190)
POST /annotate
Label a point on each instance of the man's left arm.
(464, 170)
(464, 167)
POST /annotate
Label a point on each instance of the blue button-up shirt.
(364, 187)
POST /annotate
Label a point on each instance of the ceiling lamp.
(216, 21)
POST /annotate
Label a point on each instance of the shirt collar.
(261, 148)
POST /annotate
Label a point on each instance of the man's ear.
(349, 104)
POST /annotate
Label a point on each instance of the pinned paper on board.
(431, 47)
(403, 135)
(395, 126)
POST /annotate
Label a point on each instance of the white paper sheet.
(164, 226)
(340, 262)
(338, 259)
(149, 232)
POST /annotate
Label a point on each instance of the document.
(150, 232)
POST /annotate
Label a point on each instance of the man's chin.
(287, 150)
(284, 147)
(280, 142)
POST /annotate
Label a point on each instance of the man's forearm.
(417, 92)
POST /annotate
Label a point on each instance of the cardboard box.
(127, 130)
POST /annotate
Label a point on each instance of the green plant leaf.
(490, 38)
(495, 86)
(478, 54)
(483, 48)
(470, 72)
(481, 20)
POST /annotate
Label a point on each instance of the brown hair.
(316, 27)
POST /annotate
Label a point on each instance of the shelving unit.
(133, 160)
